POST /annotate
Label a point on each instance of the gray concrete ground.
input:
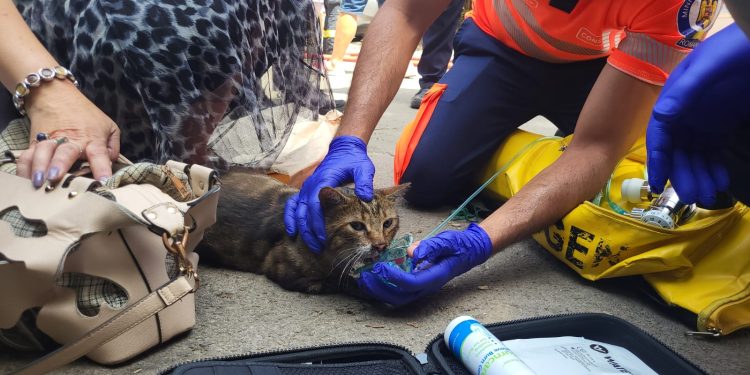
(239, 312)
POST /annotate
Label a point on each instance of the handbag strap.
(201, 178)
(132, 316)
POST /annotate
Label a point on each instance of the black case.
(388, 359)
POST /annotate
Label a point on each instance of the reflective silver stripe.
(644, 48)
(618, 37)
(605, 41)
(525, 12)
(519, 36)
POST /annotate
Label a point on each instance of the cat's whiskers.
(346, 255)
(351, 257)
(358, 254)
(345, 271)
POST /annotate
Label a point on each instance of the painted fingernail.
(53, 173)
(37, 179)
(103, 179)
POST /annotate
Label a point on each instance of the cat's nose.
(379, 246)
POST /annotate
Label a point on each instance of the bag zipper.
(708, 319)
(324, 348)
(433, 360)
(710, 332)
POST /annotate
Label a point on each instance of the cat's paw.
(314, 288)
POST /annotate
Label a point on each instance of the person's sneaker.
(337, 104)
(416, 100)
(328, 102)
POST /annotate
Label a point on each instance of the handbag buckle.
(176, 246)
(7, 157)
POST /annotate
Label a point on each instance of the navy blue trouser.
(738, 163)
(437, 45)
(491, 90)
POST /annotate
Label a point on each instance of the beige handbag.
(106, 271)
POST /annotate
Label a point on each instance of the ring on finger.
(60, 140)
(41, 136)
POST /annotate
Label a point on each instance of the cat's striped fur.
(249, 233)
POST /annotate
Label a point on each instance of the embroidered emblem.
(694, 19)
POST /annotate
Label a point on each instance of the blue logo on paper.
(599, 348)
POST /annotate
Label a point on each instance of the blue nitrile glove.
(437, 260)
(345, 162)
(703, 101)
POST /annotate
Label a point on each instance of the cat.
(249, 234)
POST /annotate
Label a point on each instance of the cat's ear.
(395, 192)
(330, 197)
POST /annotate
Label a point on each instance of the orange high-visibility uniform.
(643, 38)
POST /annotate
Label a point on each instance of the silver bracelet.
(35, 79)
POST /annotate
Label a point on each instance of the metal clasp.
(7, 157)
(177, 248)
(710, 332)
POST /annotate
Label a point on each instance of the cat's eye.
(356, 225)
(387, 224)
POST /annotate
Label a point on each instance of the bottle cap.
(452, 325)
(454, 339)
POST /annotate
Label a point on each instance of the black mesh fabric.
(457, 368)
(223, 83)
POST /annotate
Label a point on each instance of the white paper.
(307, 144)
(576, 355)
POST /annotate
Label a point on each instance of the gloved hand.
(703, 101)
(437, 260)
(346, 161)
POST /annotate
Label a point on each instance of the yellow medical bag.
(702, 266)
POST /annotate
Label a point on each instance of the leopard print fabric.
(213, 82)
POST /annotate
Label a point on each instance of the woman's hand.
(58, 109)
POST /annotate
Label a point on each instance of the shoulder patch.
(694, 19)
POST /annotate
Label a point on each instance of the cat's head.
(358, 231)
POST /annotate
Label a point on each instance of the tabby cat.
(249, 233)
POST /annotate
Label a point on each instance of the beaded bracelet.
(35, 79)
